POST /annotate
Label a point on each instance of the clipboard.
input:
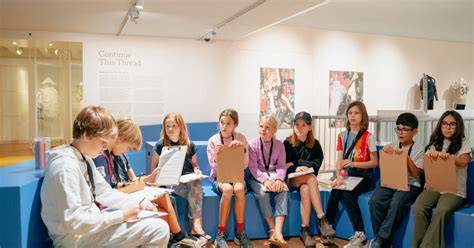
(300, 173)
(349, 183)
(394, 171)
(440, 174)
(230, 165)
(171, 165)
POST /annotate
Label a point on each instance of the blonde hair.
(183, 131)
(271, 120)
(364, 124)
(129, 133)
(94, 121)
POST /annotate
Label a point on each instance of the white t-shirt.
(460, 92)
(461, 173)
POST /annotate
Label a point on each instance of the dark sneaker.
(189, 241)
(325, 228)
(306, 238)
(242, 240)
(220, 241)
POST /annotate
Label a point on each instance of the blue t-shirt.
(188, 162)
(114, 171)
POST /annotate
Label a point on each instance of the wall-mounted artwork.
(277, 94)
(344, 87)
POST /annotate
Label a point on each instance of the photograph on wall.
(277, 94)
(344, 87)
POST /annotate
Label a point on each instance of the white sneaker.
(357, 240)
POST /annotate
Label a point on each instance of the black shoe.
(325, 228)
(242, 240)
(306, 238)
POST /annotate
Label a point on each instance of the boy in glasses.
(72, 186)
(388, 206)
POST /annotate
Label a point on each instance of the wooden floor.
(293, 242)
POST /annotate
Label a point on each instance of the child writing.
(115, 167)
(388, 206)
(267, 163)
(227, 136)
(447, 140)
(72, 186)
(356, 154)
(174, 133)
(303, 152)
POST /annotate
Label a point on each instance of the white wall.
(392, 68)
(201, 79)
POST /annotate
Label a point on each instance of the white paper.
(147, 214)
(150, 193)
(349, 183)
(171, 163)
(191, 177)
(301, 173)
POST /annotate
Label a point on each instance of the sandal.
(280, 242)
(207, 237)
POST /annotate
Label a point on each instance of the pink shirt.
(216, 140)
(277, 163)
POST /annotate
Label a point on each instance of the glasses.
(451, 125)
(402, 131)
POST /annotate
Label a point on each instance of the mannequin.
(460, 93)
(431, 90)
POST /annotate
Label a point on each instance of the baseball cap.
(305, 116)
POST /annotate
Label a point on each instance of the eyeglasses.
(402, 131)
(451, 125)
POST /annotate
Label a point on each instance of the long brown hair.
(364, 125)
(437, 137)
(183, 131)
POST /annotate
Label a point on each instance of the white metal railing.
(327, 128)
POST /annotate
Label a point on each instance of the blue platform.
(22, 226)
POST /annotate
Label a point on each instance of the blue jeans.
(263, 198)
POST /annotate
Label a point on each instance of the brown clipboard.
(230, 165)
(394, 171)
(136, 186)
(440, 174)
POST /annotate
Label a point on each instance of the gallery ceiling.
(450, 20)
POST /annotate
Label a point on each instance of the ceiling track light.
(139, 4)
(135, 14)
(132, 14)
(19, 50)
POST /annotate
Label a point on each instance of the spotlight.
(139, 4)
(135, 14)
(19, 51)
(50, 44)
(56, 51)
(14, 43)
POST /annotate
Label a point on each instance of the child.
(267, 163)
(120, 173)
(447, 140)
(72, 186)
(303, 152)
(175, 133)
(356, 153)
(388, 207)
(228, 122)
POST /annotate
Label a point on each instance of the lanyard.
(110, 163)
(267, 165)
(90, 174)
(222, 138)
(409, 149)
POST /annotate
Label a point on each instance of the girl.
(303, 152)
(446, 140)
(356, 154)
(228, 122)
(174, 133)
(267, 163)
(115, 167)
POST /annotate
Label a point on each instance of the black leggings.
(349, 199)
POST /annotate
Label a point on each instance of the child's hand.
(197, 170)
(218, 148)
(338, 182)
(147, 205)
(235, 143)
(398, 151)
(443, 155)
(130, 212)
(301, 168)
(154, 174)
(388, 149)
(434, 154)
(279, 186)
(346, 163)
(268, 185)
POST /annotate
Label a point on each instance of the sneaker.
(190, 241)
(325, 228)
(242, 240)
(306, 238)
(357, 240)
(220, 241)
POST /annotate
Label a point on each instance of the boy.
(388, 206)
(72, 187)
